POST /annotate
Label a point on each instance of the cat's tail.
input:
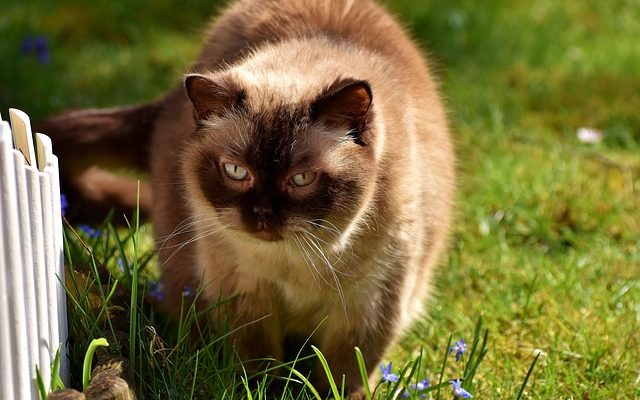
(102, 154)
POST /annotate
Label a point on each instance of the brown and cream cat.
(307, 168)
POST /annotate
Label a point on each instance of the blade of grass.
(96, 275)
(327, 371)
(306, 382)
(474, 345)
(133, 316)
(121, 251)
(407, 382)
(363, 373)
(403, 373)
(227, 334)
(433, 388)
(41, 390)
(444, 365)
(56, 382)
(297, 358)
(468, 379)
(245, 383)
(526, 378)
(195, 375)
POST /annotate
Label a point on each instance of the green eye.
(303, 179)
(235, 172)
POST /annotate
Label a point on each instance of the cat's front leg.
(256, 334)
(373, 335)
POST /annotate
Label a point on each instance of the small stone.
(66, 394)
(105, 386)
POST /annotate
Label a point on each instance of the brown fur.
(288, 86)
(90, 143)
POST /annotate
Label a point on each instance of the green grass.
(546, 241)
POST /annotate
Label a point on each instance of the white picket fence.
(33, 315)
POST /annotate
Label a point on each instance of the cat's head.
(270, 166)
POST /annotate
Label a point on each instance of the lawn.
(545, 246)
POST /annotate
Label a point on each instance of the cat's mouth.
(264, 232)
(267, 236)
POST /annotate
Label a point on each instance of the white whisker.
(196, 238)
(309, 261)
(338, 287)
(184, 228)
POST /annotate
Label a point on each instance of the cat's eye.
(303, 179)
(235, 172)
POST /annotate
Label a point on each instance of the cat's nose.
(263, 211)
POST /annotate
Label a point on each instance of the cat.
(304, 166)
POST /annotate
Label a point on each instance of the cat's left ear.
(212, 96)
(346, 103)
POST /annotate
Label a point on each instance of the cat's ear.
(215, 96)
(345, 103)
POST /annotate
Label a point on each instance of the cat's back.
(248, 24)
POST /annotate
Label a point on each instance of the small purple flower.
(92, 233)
(64, 203)
(459, 391)
(156, 291)
(187, 291)
(28, 45)
(422, 385)
(38, 46)
(121, 268)
(387, 376)
(42, 50)
(460, 347)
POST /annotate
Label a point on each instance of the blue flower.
(460, 348)
(42, 49)
(64, 203)
(121, 268)
(28, 45)
(156, 291)
(187, 291)
(92, 233)
(37, 46)
(422, 385)
(458, 391)
(387, 376)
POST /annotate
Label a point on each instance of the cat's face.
(290, 168)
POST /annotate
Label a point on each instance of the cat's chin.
(266, 236)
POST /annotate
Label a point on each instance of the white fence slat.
(31, 234)
(27, 200)
(10, 254)
(14, 288)
(51, 168)
(36, 237)
(52, 272)
(39, 269)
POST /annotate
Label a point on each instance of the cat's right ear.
(212, 96)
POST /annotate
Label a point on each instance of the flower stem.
(88, 358)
